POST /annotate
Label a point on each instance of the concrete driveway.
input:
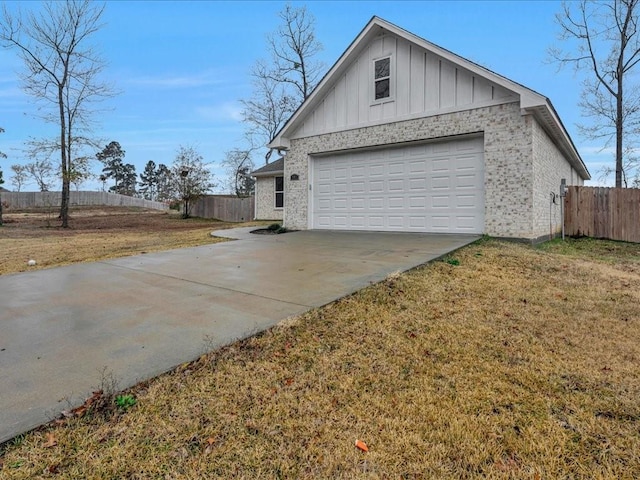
(140, 316)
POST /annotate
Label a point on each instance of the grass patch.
(518, 362)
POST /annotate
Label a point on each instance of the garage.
(433, 187)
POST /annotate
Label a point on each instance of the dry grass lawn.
(97, 234)
(517, 363)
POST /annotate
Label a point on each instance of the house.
(403, 135)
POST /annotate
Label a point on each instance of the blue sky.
(182, 67)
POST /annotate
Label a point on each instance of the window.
(382, 78)
(279, 192)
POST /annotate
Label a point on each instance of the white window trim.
(275, 192)
(392, 82)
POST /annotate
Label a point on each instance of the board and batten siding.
(432, 86)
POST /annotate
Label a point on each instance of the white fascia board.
(279, 143)
(273, 173)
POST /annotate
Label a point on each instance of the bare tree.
(603, 39)
(20, 176)
(286, 79)
(238, 164)
(293, 47)
(61, 72)
(42, 173)
(190, 177)
(267, 110)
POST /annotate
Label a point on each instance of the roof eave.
(548, 117)
(268, 174)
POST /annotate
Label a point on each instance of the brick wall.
(549, 168)
(265, 200)
(508, 143)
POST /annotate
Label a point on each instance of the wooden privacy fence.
(599, 212)
(228, 208)
(20, 200)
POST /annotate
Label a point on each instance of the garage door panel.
(376, 171)
(438, 166)
(465, 181)
(396, 185)
(465, 223)
(358, 187)
(340, 204)
(395, 222)
(358, 203)
(418, 223)
(417, 202)
(376, 222)
(376, 186)
(358, 221)
(434, 187)
(340, 221)
(418, 184)
(441, 183)
(397, 203)
(376, 202)
(466, 201)
(440, 201)
(417, 167)
(358, 172)
(467, 162)
(396, 169)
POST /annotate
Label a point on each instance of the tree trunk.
(64, 203)
(619, 137)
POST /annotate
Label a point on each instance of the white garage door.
(431, 187)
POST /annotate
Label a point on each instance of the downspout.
(563, 194)
(552, 200)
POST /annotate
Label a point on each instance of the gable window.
(279, 192)
(382, 78)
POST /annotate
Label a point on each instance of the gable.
(429, 80)
(422, 83)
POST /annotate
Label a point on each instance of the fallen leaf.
(79, 411)
(288, 381)
(211, 440)
(52, 469)
(51, 441)
(362, 446)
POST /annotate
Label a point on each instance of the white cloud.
(228, 111)
(177, 81)
(596, 150)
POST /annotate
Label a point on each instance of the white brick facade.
(522, 165)
(266, 200)
(549, 167)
